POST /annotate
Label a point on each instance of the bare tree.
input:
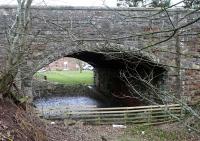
(143, 3)
(191, 3)
(17, 48)
(80, 64)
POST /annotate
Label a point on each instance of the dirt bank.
(18, 125)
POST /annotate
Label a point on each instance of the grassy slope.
(67, 77)
(167, 132)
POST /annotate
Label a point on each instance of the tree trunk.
(7, 82)
(18, 45)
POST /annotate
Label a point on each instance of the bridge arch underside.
(120, 76)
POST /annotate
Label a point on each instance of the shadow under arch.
(110, 64)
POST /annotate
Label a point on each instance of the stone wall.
(90, 34)
(43, 88)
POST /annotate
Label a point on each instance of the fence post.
(125, 117)
(182, 111)
(167, 113)
(149, 116)
(98, 119)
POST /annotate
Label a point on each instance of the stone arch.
(108, 63)
(98, 49)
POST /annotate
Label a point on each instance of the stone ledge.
(97, 8)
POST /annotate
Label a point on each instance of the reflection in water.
(59, 106)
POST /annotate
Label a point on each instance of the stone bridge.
(137, 41)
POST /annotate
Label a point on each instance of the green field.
(67, 77)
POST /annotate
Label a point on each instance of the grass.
(67, 77)
(150, 133)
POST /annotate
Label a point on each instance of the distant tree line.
(143, 3)
(194, 4)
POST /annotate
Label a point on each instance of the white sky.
(110, 3)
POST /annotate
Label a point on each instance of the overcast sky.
(111, 3)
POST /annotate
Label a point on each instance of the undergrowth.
(152, 133)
